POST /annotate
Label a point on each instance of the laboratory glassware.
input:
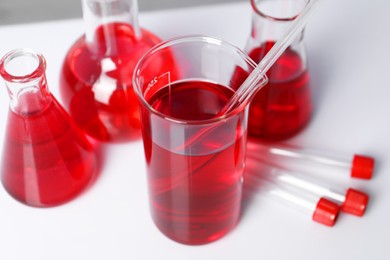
(308, 160)
(46, 159)
(316, 207)
(351, 200)
(96, 76)
(284, 106)
(195, 157)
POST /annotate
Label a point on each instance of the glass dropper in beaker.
(96, 78)
(46, 159)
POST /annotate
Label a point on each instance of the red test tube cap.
(362, 167)
(326, 212)
(355, 202)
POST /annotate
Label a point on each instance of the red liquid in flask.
(46, 160)
(96, 81)
(282, 107)
(195, 196)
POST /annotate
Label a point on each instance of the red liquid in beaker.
(282, 107)
(96, 82)
(46, 160)
(195, 193)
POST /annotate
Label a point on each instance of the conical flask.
(96, 78)
(283, 107)
(46, 159)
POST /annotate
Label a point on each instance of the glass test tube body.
(351, 200)
(317, 208)
(313, 161)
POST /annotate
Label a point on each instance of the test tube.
(352, 201)
(319, 209)
(356, 165)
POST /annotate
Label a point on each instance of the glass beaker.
(96, 77)
(195, 158)
(46, 159)
(283, 107)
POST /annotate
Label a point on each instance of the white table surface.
(348, 48)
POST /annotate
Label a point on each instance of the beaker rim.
(273, 18)
(34, 74)
(180, 40)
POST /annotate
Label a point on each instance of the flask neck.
(99, 18)
(271, 19)
(23, 71)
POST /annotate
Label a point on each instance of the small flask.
(96, 77)
(283, 107)
(46, 160)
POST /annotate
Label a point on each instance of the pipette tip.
(355, 202)
(362, 167)
(326, 212)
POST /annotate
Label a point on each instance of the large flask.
(96, 77)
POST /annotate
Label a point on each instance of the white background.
(348, 48)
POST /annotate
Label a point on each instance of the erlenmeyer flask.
(46, 159)
(283, 107)
(96, 78)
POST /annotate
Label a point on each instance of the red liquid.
(283, 107)
(46, 161)
(96, 82)
(195, 193)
